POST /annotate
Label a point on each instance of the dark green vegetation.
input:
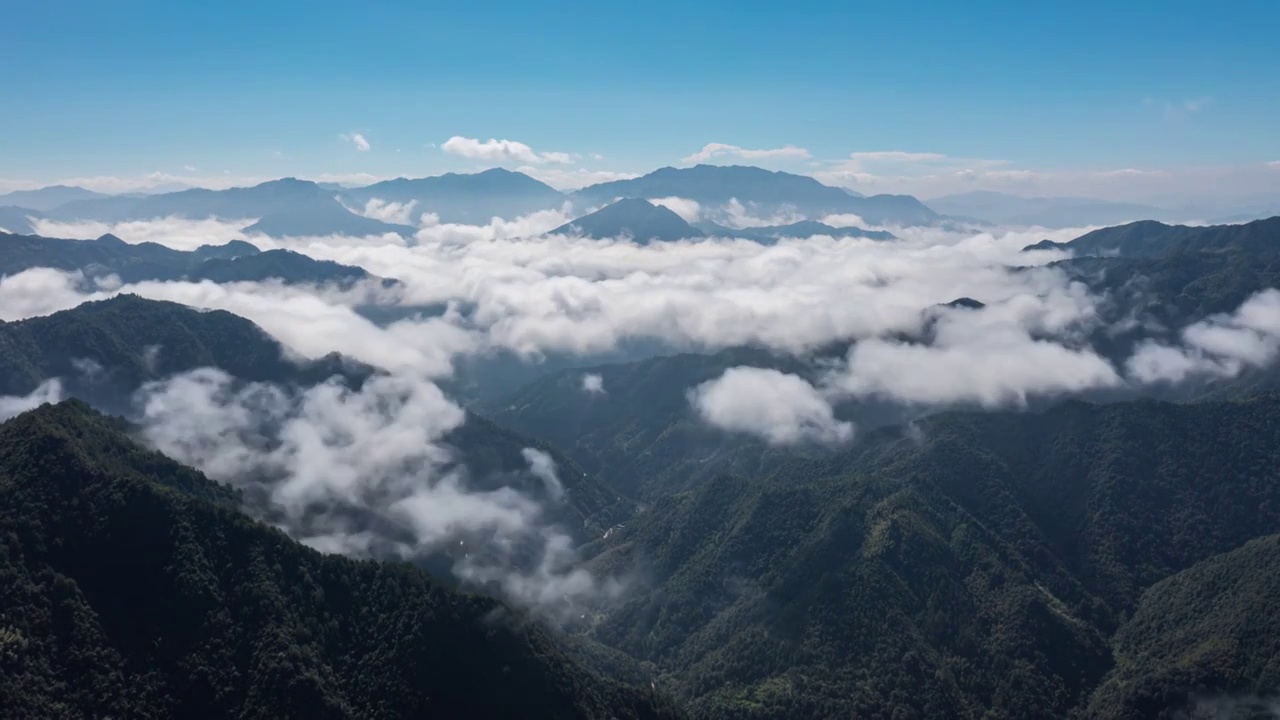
(1148, 238)
(130, 588)
(969, 565)
(632, 218)
(1115, 561)
(104, 351)
(236, 261)
(1213, 626)
(1168, 277)
(978, 566)
(640, 434)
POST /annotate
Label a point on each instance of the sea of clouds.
(508, 286)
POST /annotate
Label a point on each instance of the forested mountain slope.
(975, 566)
(103, 352)
(1206, 640)
(131, 589)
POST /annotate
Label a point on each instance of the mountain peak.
(634, 218)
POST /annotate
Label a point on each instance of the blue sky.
(234, 89)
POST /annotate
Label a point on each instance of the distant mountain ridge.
(284, 207)
(235, 261)
(48, 198)
(802, 229)
(638, 220)
(464, 198)
(1050, 212)
(765, 192)
(1152, 239)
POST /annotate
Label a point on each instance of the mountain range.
(459, 198)
(802, 229)
(1049, 212)
(290, 207)
(761, 192)
(48, 198)
(235, 261)
(1071, 558)
(1149, 238)
(286, 207)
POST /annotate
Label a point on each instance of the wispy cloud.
(565, 179)
(897, 156)
(358, 140)
(1175, 109)
(504, 150)
(713, 150)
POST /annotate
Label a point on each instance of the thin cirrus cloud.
(358, 140)
(1175, 109)
(710, 151)
(562, 178)
(494, 150)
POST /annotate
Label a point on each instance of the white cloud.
(49, 391)
(593, 384)
(844, 220)
(400, 213)
(502, 151)
(513, 288)
(175, 232)
(780, 408)
(358, 140)
(1218, 346)
(368, 472)
(736, 215)
(895, 156)
(543, 467)
(994, 356)
(1004, 372)
(39, 291)
(1177, 109)
(562, 179)
(685, 208)
(714, 150)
